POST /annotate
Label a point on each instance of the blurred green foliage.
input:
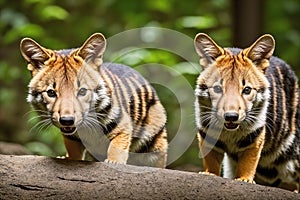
(63, 24)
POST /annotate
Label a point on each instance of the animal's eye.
(247, 90)
(51, 93)
(218, 89)
(82, 92)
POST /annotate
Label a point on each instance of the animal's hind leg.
(155, 145)
(159, 143)
(160, 148)
(155, 154)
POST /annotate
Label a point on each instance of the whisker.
(45, 126)
(39, 116)
(41, 124)
(35, 111)
(251, 118)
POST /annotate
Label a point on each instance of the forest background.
(58, 24)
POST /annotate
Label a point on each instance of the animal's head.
(65, 84)
(232, 89)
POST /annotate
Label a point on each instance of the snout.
(67, 124)
(231, 116)
(231, 120)
(67, 121)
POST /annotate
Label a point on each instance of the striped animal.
(73, 90)
(247, 106)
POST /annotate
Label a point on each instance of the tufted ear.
(34, 54)
(207, 49)
(93, 48)
(261, 51)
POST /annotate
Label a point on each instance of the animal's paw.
(208, 173)
(245, 180)
(114, 162)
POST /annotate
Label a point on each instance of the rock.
(7, 148)
(31, 177)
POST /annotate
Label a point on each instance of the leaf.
(200, 22)
(188, 68)
(27, 30)
(54, 12)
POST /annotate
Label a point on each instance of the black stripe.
(270, 115)
(233, 156)
(131, 95)
(115, 84)
(106, 109)
(149, 103)
(108, 128)
(145, 94)
(274, 114)
(269, 173)
(290, 82)
(288, 155)
(250, 138)
(279, 133)
(152, 101)
(150, 144)
(121, 93)
(132, 106)
(212, 141)
(138, 104)
(73, 137)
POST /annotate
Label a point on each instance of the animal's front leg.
(247, 164)
(248, 160)
(118, 149)
(212, 160)
(75, 149)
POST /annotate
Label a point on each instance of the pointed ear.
(93, 48)
(261, 51)
(207, 49)
(33, 53)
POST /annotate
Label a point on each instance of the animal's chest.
(231, 142)
(227, 141)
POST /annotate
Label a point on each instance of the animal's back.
(282, 140)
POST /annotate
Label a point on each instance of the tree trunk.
(37, 177)
(247, 21)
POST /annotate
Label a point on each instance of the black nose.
(66, 121)
(231, 116)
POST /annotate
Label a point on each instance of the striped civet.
(73, 90)
(247, 107)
